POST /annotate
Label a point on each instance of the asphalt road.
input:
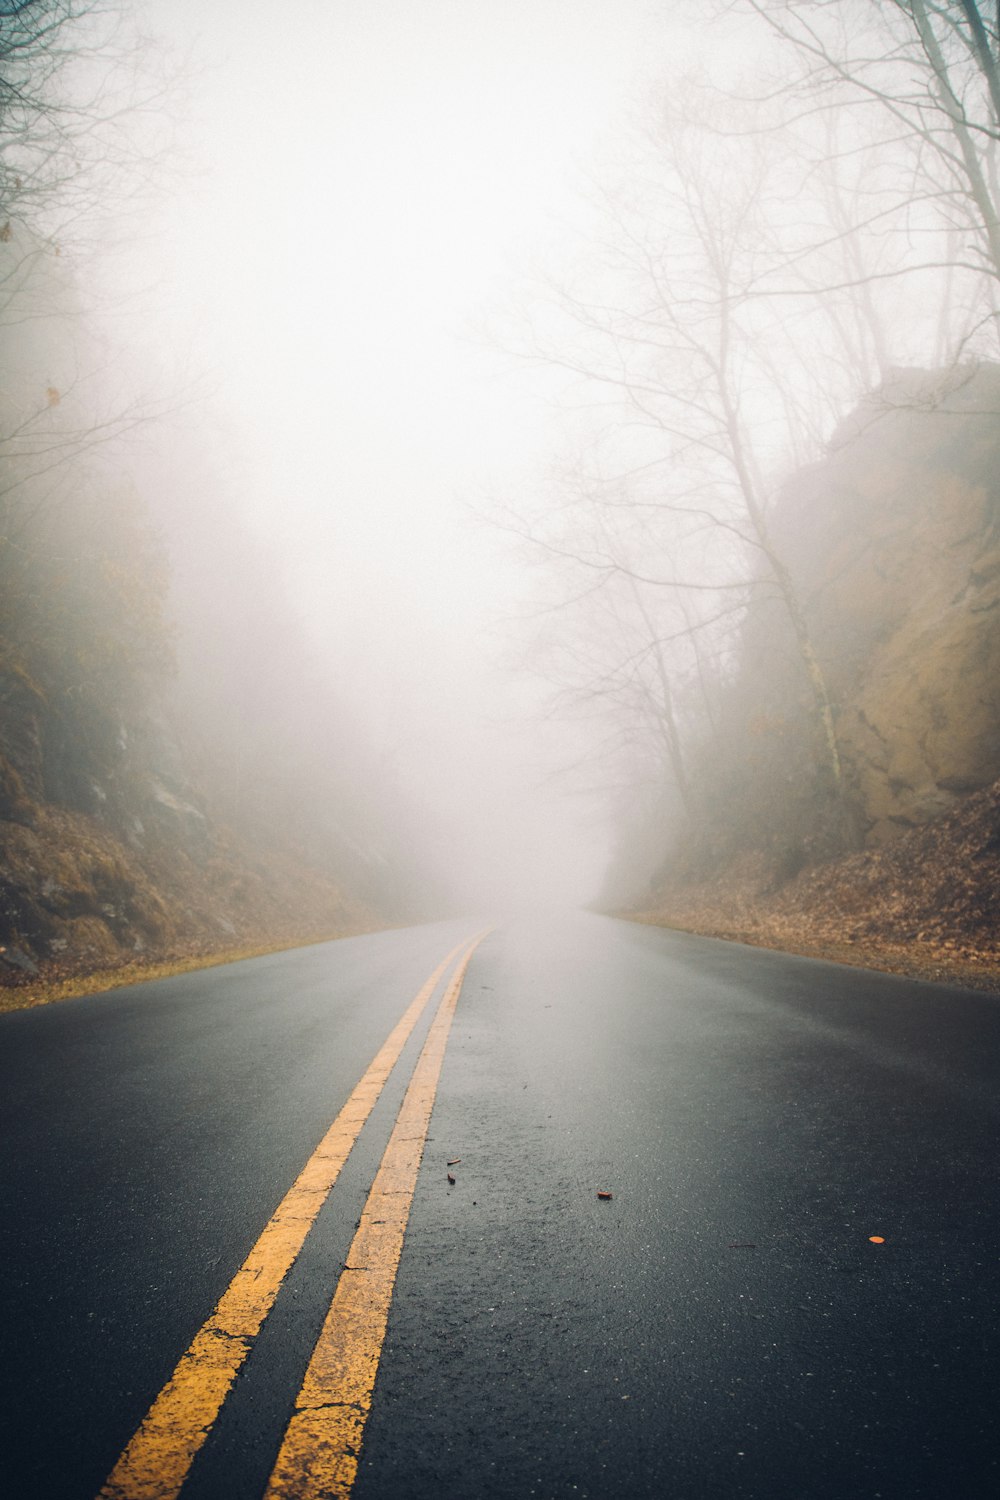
(722, 1326)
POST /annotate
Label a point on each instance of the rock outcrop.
(897, 539)
(893, 540)
(107, 853)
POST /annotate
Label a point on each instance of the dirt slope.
(928, 904)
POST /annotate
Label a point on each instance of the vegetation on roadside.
(179, 782)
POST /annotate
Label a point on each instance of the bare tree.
(62, 64)
(694, 377)
(71, 81)
(68, 524)
(917, 82)
(779, 248)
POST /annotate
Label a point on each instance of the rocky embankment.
(927, 904)
(896, 539)
(894, 542)
(78, 902)
(110, 860)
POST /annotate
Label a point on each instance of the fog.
(343, 196)
(462, 355)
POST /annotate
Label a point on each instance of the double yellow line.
(319, 1455)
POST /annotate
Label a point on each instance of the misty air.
(499, 749)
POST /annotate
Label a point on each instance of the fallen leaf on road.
(602, 1194)
(876, 1239)
(454, 1161)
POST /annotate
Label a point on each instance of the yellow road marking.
(319, 1456)
(157, 1460)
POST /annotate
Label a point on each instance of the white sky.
(357, 181)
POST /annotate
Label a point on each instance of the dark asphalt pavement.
(722, 1327)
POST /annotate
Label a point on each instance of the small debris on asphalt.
(454, 1161)
(876, 1239)
(451, 1179)
(603, 1193)
(742, 1245)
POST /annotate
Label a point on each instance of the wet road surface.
(724, 1325)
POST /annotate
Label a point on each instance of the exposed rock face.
(107, 852)
(21, 710)
(896, 540)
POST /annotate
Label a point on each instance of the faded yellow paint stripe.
(157, 1460)
(318, 1459)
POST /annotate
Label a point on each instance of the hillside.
(177, 776)
(110, 855)
(169, 792)
(894, 540)
(926, 904)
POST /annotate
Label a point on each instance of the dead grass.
(94, 914)
(916, 960)
(927, 905)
